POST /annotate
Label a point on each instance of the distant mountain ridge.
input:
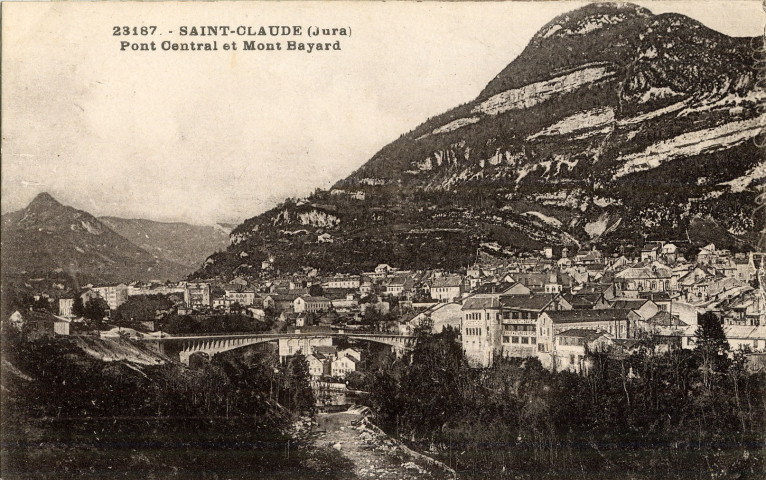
(47, 238)
(178, 242)
(614, 125)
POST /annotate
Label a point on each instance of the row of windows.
(523, 340)
(519, 328)
(520, 315)
(473, 331)
(475, 316)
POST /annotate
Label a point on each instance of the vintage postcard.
(383, 240)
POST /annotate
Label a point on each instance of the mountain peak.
(44, 199)
(591, 18)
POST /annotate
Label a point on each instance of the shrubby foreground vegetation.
(683, 414)
(68, 415)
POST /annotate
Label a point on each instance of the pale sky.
(202, 137)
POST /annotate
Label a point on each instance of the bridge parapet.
(217, 343)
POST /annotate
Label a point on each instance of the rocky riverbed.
(373, 454)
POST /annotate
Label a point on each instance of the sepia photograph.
(403, 240)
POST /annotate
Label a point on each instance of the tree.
(95, 311)
(301, 397)
(78, 308)
(140, 308)
(316, 290)
(711, 345)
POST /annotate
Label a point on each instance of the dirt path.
(373, 453)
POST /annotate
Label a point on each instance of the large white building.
(114, 295)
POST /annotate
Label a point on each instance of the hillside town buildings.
(553, 309)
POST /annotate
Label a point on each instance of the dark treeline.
(69, 415)
(683, 414)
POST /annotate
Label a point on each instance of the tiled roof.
(480, 303)
(587, 334)
(629, 304)
(526, 302)
(665, 319)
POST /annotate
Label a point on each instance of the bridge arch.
(187, 345)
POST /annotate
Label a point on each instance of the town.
(553, 305)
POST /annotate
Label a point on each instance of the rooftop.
(526, 302)
(575, 316)
(480, 303)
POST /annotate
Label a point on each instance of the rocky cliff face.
(572, 143)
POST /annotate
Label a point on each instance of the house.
(572, 346)
(366, 285)
(341, 299)
(307, 303)
(619, 263)
(588, 258)
(301, 320)
(669, 253)
(642, 307)
(665, 328)
(745, 268)
(383, 269)
(651, 251)
(61, 325)
(244, 297)
(279, 302)
(351, 282)
(447, 288)
(617, 323)
(746, 337)
(661, 299)
(746, 309)
(553, 284)
(397, 286)
(344, 365)
(522, 334)
(586, 300)
(350, 352)
(197, 295)
(42, 324)
(692, 276)
(644, 278)
(319, 365)
(707, 255)
(65, 307)
(564, 263)
(443, 315)
(220, 303)
(503, 288)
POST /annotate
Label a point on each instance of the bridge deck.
(272, 336)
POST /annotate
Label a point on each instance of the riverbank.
(371, 453)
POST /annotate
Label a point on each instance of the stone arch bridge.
(289, 343)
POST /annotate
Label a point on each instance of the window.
(525, 340)
(533, 340)
(506, 339)
(514, 339)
